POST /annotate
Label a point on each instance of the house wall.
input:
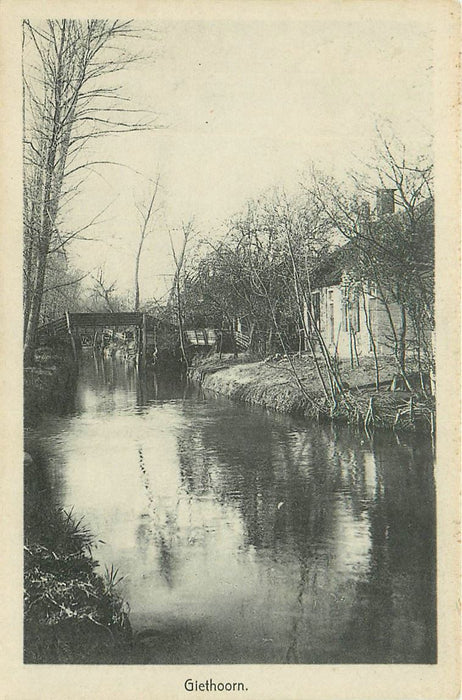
(344, 329)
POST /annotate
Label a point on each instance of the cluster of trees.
(396, 253)
(266, 268)
(70, 98)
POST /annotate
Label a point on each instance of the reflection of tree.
(281, 481)
(344, 529)
(259, 464)
(290, 487)
(348, 449)
(312, 504)
(155, 531)
(232, 457)
(394, 612)
(307, 585)
(141, 388)
(107, 376)
(371, 614)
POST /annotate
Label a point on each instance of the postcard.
(231, 349)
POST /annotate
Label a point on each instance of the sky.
(245, 106)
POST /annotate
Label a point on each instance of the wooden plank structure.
(242, 340)
(77, 321)
(72, 324)
(204, 336)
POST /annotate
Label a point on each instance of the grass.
(271, 383)
(71, 613)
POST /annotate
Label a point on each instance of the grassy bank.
(71, 614)
(272, 383)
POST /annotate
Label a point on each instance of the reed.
(71, 613)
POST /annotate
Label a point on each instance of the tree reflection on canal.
(244, 536)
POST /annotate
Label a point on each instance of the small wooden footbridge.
(74, 326)
(148, 333)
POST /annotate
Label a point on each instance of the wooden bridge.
(74, 325)
(150, 332)
(82, 322)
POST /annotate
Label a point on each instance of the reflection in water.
(247, 537)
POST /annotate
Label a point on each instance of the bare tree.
(62, 289)
(104, 291)
(395, 252)
(176, 291)
(305, 237)
(144, 232)
(69, 100)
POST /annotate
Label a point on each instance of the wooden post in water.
(138, 346)
(144, 342)
(69, 328)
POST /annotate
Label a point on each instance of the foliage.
(248, 275)
(63, 288)
(71, 614)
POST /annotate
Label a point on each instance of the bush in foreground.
(71, 614)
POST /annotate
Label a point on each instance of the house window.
(371, 288)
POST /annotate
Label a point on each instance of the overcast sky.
(248, 106)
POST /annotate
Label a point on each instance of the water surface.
(244, 536)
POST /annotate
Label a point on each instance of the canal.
(245, 536)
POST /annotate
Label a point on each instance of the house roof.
(330, 271)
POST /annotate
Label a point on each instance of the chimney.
(385, 202)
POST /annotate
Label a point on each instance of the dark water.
(244, 536)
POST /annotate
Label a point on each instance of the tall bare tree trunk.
(48, 210)
(332, 373)
(61, 90)
(179, 310)
(372, 339)
(176, 288)
(402, 339)
(143, 236)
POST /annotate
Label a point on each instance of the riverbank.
(294, 387)
(71, 613)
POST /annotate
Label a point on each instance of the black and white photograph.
(232, 229)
